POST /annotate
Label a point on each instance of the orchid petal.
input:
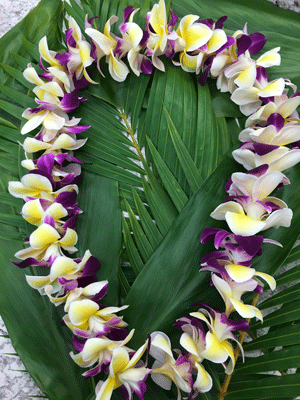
(43, 236)
(81, 310)
(268, 278)
(47, 54)
(214, 351)
(275, 88)
(243, 225)
(69, 239)
(62, 266)
(37, 282)
(203, 382)
(245, 310)
(31, 76)
(246, 78)
(239, 273)
(220, 212)
(269, 59)
(32, 145)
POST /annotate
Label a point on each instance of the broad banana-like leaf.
(161, 153)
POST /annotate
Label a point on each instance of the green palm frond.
(160, 148)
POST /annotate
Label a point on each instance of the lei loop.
(50, 192)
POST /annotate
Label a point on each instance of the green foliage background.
(151, 254)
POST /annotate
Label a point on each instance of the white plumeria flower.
(80, 56)
(87, 319)
(282, 105)
(279, 159)
(122, 371)
(165, 369)
(132, 36)
(193, 341)
(245, 225)
(217, 348)
(48, 92)
(106, 43)
(232, 292)
(191, 36)
(34, 213)
(46, 236)
(159, 33)
(272, 135)
(64, 141)
(51, 119)
(100, 351)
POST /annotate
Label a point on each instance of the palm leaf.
(160, 152)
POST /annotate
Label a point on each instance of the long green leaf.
(277, 360)
(173, 188)
(99, 196)
(275, 387)
(287, 313)
(281, 337)
(191, 172)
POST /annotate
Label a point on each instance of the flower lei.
(50, 190)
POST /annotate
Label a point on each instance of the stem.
(227, 380)
(129, 130)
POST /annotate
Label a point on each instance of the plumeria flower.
(160, 32)
(283, 105)
(31, 185)
(255, 210)
(277, 132)
(48, 135)
(278, 158)
(100, 351)
(46, 237)
(193, 341)
(106, 44)
(50, 116)
(232, 292)
(250, 98)
(63, 141)
(79, 56)
(65, 271)
(218, 349)
(56, 72)
(166, 369)
(260, 219)
(48, 92)
(133, 35)
(34, 213)
(197, 40)
(243, 73)
(86, 319)
(123, 371)
(67, 290)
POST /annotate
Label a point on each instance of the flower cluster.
(50, 191)
(270, 145)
